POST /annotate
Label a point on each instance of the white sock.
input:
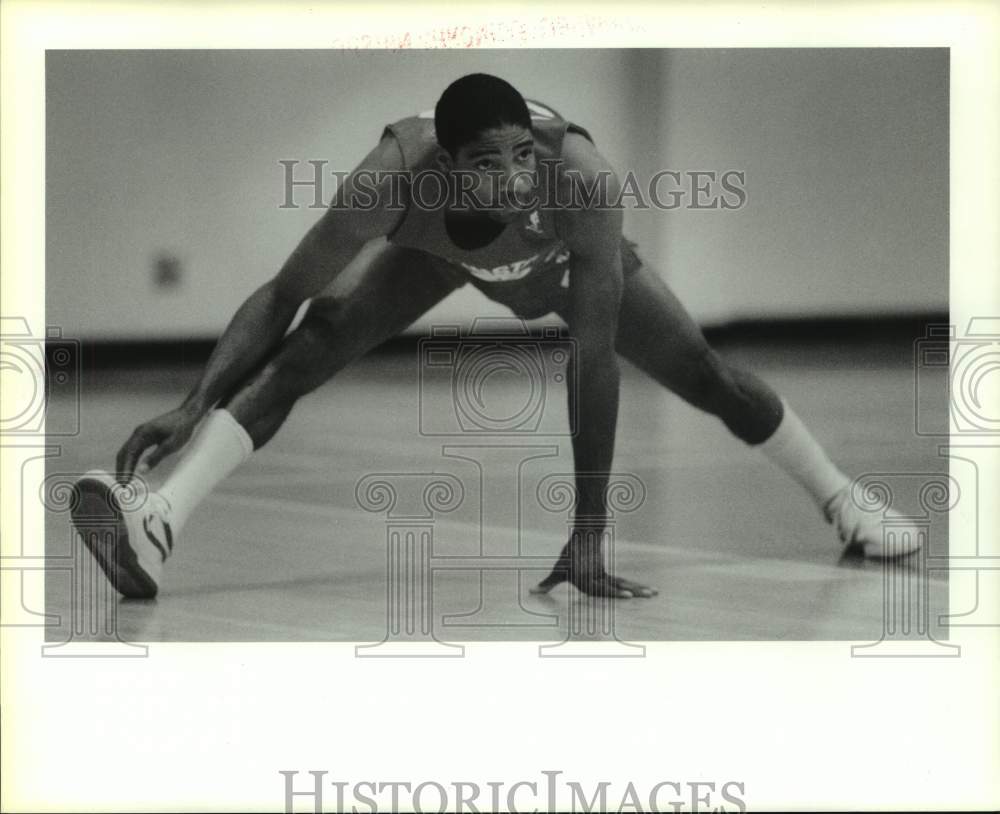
(218, 446)
(793, 448)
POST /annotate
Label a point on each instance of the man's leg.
(378, 295)
(658, 336)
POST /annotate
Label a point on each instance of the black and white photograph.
(593, 350)
(461, 429)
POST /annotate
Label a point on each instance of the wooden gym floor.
(281, 551)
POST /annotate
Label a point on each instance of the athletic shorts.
(545, 290)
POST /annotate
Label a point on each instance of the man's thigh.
(658, 335)
(380, 293)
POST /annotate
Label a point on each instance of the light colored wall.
(178, 151)
(846, 160)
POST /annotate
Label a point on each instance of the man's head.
(484, 125)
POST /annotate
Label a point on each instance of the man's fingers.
(597, 586)
(558, 575)
(591, 579)
(634, 587)
(129, 454)
(166, 448)
(606, 587)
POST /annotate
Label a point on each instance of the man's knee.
(743, 402)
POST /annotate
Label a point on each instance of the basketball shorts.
(545, 290)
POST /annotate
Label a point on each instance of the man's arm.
(594, 237)
(320, 256)
(261, 322)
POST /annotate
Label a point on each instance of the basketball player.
(371, 268)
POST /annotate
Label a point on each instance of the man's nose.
(518, 184)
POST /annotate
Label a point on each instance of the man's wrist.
(196, 405)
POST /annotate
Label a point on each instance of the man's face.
(496, 172)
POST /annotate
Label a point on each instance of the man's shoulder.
(586, 185)
(414, 139)
(586, 212)
(580, 157)
(387, 155)
(369, 201)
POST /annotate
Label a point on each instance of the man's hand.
(168, 433)
(582, 565)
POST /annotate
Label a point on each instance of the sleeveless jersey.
(527, 246)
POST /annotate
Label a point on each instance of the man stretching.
(371, 267)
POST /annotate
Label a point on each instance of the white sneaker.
(125, 527)
(880, 534)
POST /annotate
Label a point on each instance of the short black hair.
(475, 103)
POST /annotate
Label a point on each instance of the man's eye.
(525, 156)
